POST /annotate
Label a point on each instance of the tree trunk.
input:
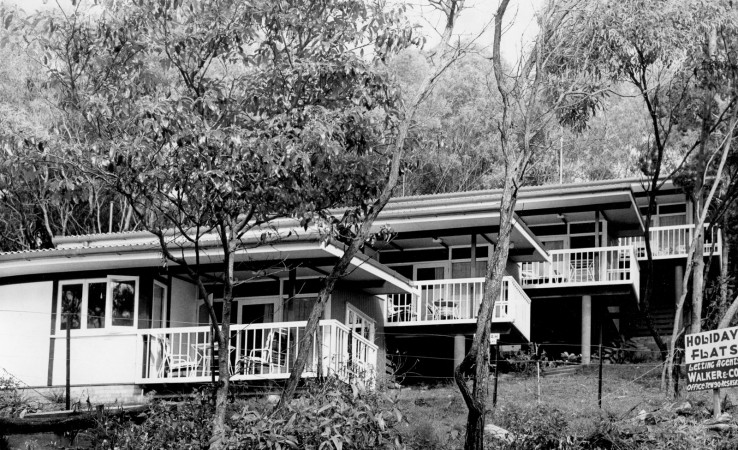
(666, 376)
(724, 261)
(701, 160)
(698, 273)
(357, 242)
(224, 374)
(476, 362)
(306, 342)
(645, 304)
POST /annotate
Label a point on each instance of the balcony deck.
(258, 352)
(673, 242)
(584, 267)
(456, 301)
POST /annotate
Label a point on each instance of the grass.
(437, 415)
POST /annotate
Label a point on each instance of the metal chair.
(261, 356)
(177, 361)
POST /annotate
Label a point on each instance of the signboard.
(712, 359)
(493, 338)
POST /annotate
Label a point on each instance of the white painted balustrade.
(258, 351)
(673, 241)
(585, 266)
(457, 301)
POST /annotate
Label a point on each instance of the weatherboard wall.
(25, 315)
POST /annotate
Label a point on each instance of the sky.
(520, 26)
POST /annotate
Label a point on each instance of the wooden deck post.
(473, 274)
(459, 349)
(69, 357)
(586, 328)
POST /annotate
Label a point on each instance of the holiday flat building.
(136, 323)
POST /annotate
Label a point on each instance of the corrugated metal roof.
(127, 239)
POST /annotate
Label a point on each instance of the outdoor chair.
(261, 356)
(399, 312)
(177, 362)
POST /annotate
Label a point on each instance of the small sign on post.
(712, 361)
(493, 338)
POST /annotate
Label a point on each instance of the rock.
(685, 409)
(722, 419)
(272, 398)
(646, 417)
(722, 427)
(499, 433)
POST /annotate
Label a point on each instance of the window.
(298, 309)
(71, 305)
(96, 300)
(98, 303)
(360, 323)
(123, 293)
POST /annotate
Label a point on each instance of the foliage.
(538, 427)
(183, 425)
(327, 415)
(12, 400)
(40, 195)
(330, 415)
(450, 148)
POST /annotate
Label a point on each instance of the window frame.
(164, 301)
(109, 302)
(84, 304)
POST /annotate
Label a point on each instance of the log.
(75, 421)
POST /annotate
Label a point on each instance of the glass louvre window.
(71, 306)
(360, 323)
(124, 297)
(96, 299)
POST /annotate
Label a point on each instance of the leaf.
(337, 443)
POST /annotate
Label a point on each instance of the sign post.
(493, 338)
(712, 361)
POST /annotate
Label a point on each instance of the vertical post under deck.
(586, 328)
(68, 391)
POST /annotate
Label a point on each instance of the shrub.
(184, 425)
(12, 400)
(330, 415)
(327, 415)
(536, 427)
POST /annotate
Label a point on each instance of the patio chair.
(177, 362)
(261, 356)
(400, 312)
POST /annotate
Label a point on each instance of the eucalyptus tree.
(356, 229)
(662, 50)
(213, 118)
(538, 91)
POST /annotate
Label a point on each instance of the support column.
(459, 349)
(586, 328)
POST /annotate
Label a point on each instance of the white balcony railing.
(457, 301)
(584, 266)
(258, 352)
(673, 241)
